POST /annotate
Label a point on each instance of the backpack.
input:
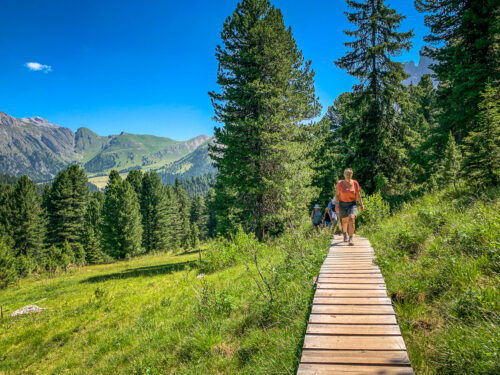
(317, 217)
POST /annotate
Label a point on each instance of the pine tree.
(66, 206)
(121, 226)
(6, 211)
(92, 228)
(8, 273)
(211, 220)
(266, 93)
(379, 147)
(183, 217)
(199, 215)
(174, 226)
(134, 177)
(93, 251)
(482, 161)
(194, 235)
(451, 164)
(27, 224)
(466, 33)
(155, 213)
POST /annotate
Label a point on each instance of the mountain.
(417, 71)
(196, 164)
(39, 149)
(35, 148)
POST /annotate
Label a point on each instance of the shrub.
(376, 208)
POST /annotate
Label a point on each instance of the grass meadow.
(154, 315)
(440, 258)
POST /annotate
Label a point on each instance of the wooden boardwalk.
(352, 328)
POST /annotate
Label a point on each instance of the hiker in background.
(347, 193)
(330, 215)
(316, 216)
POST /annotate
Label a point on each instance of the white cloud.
(34, 66)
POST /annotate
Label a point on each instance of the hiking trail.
(352, 327)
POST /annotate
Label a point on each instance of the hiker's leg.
(344, 224)
(352, 219)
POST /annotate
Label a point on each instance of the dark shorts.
(348, 208)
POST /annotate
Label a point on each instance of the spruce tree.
(482, 145)
(379, 146)
(194, 235)
(92, 228)
(466, 34)
(134, 177)
(266, 93)
(211, 220)
(199, 215)
(174, 222)
(121, 226)
(6, 211)
(451, 164)
(26, 220)
(8, 272)
(183, 217)
(155, 213)
(66, 206)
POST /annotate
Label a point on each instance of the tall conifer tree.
(266, 91)
(27, 224)
(379, 152)
(121, 227)
(466, 34)
(184, 214)
(66, 206)
(482, 161)
(154, 211)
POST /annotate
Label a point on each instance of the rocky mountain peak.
(39, 121)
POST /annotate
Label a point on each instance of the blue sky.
(145, 67)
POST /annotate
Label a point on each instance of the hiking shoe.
(351, 243)
(346, 237)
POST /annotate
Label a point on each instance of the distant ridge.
(40, 149)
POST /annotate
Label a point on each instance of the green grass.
(152, 315)
(440, 259)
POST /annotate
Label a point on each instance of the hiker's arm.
(337, 200)
(360, 200)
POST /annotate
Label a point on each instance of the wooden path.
(352, 328)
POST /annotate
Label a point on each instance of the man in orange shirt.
(347, 193)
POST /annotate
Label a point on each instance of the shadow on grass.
(162, 269)
(189, 252)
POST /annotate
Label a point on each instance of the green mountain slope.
(195, 164)
(39, 149)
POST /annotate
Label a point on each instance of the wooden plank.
(325, 369)
(357, 280)
(351, 293)
(350, 286)
(351, 275)
(351, 301)
(353, 309)
(379, 357)
(349, 270)
(354, 329)
(352, 319)
(354, 342)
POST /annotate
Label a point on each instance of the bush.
(376, 209)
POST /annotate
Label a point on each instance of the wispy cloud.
(37, 67)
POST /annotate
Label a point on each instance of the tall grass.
(158, 314)
(440, 257)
